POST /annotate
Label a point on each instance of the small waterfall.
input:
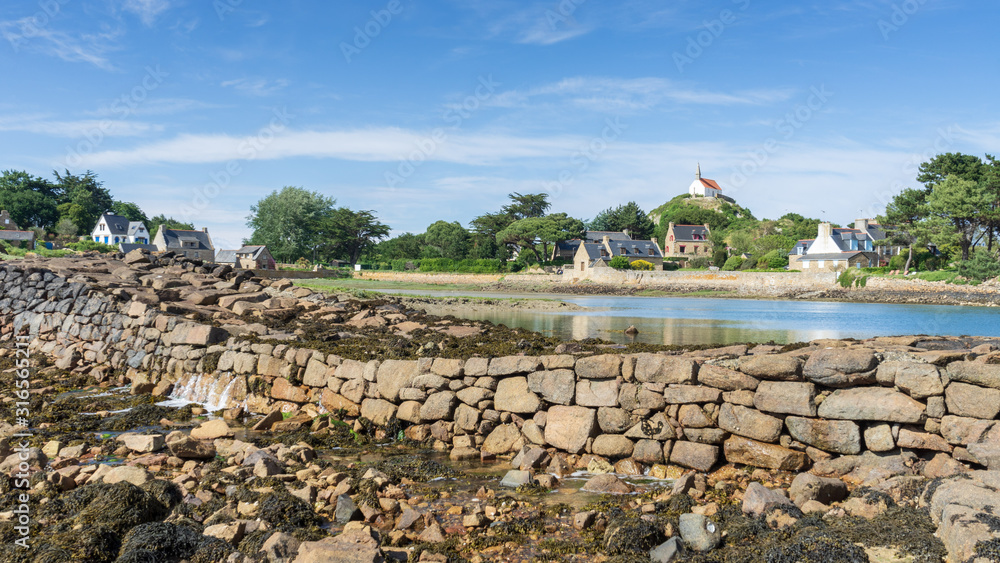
(214, 392)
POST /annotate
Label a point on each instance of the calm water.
(690, 320)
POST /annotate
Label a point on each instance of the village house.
(687, 241)
(837, 248)
(249, 257)
(12, 234)
(566, 250)
(196, 245)
(114, 229)
(598, 254)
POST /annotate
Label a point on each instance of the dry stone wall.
(763, 407)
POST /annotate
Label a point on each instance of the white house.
(703, 186)
(115, 229)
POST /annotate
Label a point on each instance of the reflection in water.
(688, 321)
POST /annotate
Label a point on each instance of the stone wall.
(762, 407)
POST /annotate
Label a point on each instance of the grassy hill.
(721, 214)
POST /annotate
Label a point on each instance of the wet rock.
(143, 443)
(378, 411)
(280, 548)
(346, 510)
(699, 533)
(607, 483)
(189, 448)
(504, 438)
(667, 552)
(649, 452)
(358, 545)
(439, 406)
(758, 454)
(230, 533)
(129, 473)
(515, 478)
(614, 446)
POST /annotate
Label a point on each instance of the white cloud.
(256, 86)
(30, 34)
(146, 10)
(42, 125)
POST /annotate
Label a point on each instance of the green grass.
(18, 253)
(341, 285)
(946, 276)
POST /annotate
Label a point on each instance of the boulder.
(439, 406)
(597, 393)
(605, 366)
(699, 533)
(962, 431)
(696, 456)
(841, 367)
(568, 428)
(378, 411)
(350, 546)
(758, 454)
(683, 394)
(976, 373)
(135, 474)
(633, 397)
(503, 439)
(808, 487)
(556, 386)
(189, 448)
(509, 365)
(972, 401)
(758, 499)
(786, 397)
(607, 483)
(780, 367)
(393, 375)
(916, 379)
(837, 436)
(612, 446)
(657, 368)
(749, 423)
(871, 403)
(513, 395)
(211, 430)
(726, 379)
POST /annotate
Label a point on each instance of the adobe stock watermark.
(123, 108)
(581, 160)
(454, 116)
(364, 35)
(562, 14)
(901, 14)
(32, 26)
(787, 127)
(248, 149)
(22, 477)
(702, 40)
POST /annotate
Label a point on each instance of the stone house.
(18, 238)
(114, 229)
(598, 254)
(566, 250)
(689, 241)
(192, 244)
(255, 257)
(6, 223)
(836, 249)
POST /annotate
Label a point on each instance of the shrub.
(775, 260)
(671, 266)
(619, 263)
(733, 263)
(642, 265)
(719, 257)
(700, 262)
(982, 266)
(86, 245)
(749, 263)
(897, 262)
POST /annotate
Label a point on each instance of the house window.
(650, 251)
(604, 253)
(819, 263)
(102, 227)
(621, 250)
(681, 249)
(671, 238)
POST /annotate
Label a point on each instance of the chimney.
(204, 229)
(824, 231)
(605, 239)
(861, 224)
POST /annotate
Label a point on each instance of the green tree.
(768, 243)
(530, 232)
(168, 223)
(527, 205)
(450, 240)
(619, 263)
(83, 198)
(289, 222)
(348, 234)
(130, 211)
(66, 228)
(740, 241)
(983, 266)
(629, 217)
(406, 245)
(936, 170)
(30, 200)
(733, 263)
(957, 205)
(903, 222)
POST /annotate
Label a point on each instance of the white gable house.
(115, 229)
(703, 186)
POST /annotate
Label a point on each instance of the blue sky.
(427, 110)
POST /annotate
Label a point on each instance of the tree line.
(68, 205)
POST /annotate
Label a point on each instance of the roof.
(636, 249)
(173, 238)
(17, 235)
(117, 225)
(127, 247)
(687, 232)
(598, 236)
(133, 229)
(709, 183)
(253, 250)
(593, 250)
(835, 255)
(225, 257)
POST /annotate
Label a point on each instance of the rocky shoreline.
(877, 450)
